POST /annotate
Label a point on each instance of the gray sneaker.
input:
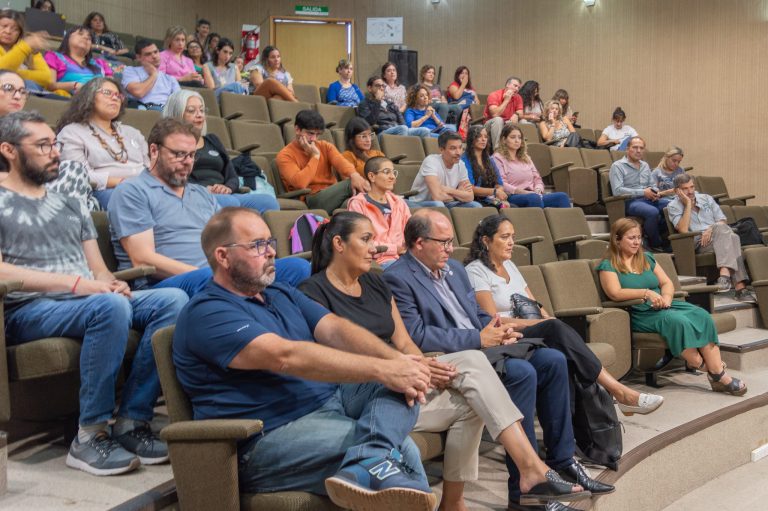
(745, 296)
(145, 444)
(101, 456)
(723, 284)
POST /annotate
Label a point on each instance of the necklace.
(121, 156)
(354, 290)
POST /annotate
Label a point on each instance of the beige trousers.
(727, 248)
(476, 397)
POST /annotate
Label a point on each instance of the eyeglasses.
(10, 89)
(259, 246)
(180, 156)
(379, 86)
(112, 94)
(45, 148)
(194, 111)
(447, 244)
(387, 172)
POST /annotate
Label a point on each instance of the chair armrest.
(597, 167)
(248, 148)
(614, 198)
(602, 236)
(282, 121)
(680, 294)
(330, 124)
(719, 195)
(624, 304)
(570, 239)
(561, 166)
(398, 158)
(760, 283)
(211, 429)
(681, 235)
(687, 169)
(233, 116)
(745, 198)
(475, 122)
(578, 311)
(294, 193)
(302, 255)
(6, 286)
(700, 289)
(134, 273)
(409, 193)
(530, 240)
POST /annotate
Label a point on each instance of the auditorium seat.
(51, 109)
(597, 159)
(757, 262)
(405, 178)
(587, 134)
(687, 261)
(268, 136)
(716, 187)
(244, 108)
(653, 158)
(530, 223)
(578, 181)
(530, 132)
(209, 98)
(306, 93)
(403, 149)
(572, 236)
(277, 183)
(465, 222)
(281, 111)
(335, 117)
(430, 145)
(218, 127)
(280, 223)
(615, 205)
(142, 120)
(285, 201)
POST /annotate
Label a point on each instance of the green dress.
(683, 325)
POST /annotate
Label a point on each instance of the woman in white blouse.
(495, 278)
(92, 134)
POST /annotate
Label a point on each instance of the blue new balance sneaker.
(380, 483)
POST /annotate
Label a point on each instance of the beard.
(36, 174)
(249, 284)
(168, 175)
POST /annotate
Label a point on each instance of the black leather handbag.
(525, 308)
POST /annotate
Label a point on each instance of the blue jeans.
(446, 127)
(540, 385)
(652, 213)
(291, 270)
(103, 197)
(261, 202)
(441, 204)
(102, 322)
(359, 421)
(402, 129)
(234, 88)
(534, 200)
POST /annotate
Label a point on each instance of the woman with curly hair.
(420, 114)
(91, 133)
(481, 170)
(495, 279)
(104, 40)
(533, 108)
(521, 181)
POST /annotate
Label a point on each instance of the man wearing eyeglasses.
(48, 242)
(156, 218)
(306, 163)
(439, 309)
(275, 355)
(147, 86)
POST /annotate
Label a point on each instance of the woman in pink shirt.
(521, 180)
(387, 212)
(173, 62)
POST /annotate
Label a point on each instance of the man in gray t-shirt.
(442, 179)
(48, 241)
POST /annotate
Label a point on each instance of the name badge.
(213, 152)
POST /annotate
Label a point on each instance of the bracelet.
(76, 283)
(645, 295)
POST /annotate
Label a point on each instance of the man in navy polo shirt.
(156, 217)
(246, 347)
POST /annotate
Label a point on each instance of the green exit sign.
(312, 10)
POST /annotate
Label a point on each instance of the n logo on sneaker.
(384, 470)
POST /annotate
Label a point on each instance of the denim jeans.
(291, 270)
(359, 421)
(234, 88)
(261, 202)
(541, 386)
(652, 213)
(402, 129)
(446, 127)
(534, 200)
(103, 197)
(441, 204)
(102, 322)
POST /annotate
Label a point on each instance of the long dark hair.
(82, 105)
(469, 77)
(482, 170)
(529, 94)
(223, 43)
(487, 228)
(354, 127)
(342, 224)
(89, 62)
(89, 20)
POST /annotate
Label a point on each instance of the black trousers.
(563, 338)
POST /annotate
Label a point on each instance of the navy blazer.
(424, 314)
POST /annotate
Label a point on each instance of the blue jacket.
(424, 315)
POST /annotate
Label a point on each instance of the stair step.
(745, 349)
(598, 224)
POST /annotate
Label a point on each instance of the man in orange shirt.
(306, 163)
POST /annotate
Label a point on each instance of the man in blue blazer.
(437, 304)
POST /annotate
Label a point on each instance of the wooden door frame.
(316, 19)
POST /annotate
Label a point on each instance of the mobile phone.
(575, 114)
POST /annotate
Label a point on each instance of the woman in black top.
(213, 168)
(342, 252)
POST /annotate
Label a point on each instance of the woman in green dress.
(630, 273)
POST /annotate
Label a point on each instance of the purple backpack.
(302, 231)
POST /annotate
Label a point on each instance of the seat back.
(405, 178)
(530, 132)
(730, 216)
(653, 158)
(571, 284)
(535, 280)
(51, 109)
(541, 158)
(617, 155)
(142, 120)
(281, 111)
(587, 134)
(570, 222)
(430, 145)
(269, 136)
(209, 99)
(411, 147)
(338, 115)
(280, 223)
(757, 213)
(306, 92)
(757, 262)
(592, 157)
(562, 155)
(324, 94)
(289, 133)
(179, 406)
(530, 222)
(465, 221)
(101, 222)
(218, 127)
(252, 108)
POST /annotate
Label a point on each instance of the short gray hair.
(177, 103)
(682, 179)
(13, 131)
(509, 80)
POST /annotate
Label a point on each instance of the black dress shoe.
(552, 505)
(576, 473)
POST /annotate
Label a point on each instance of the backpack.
(749, 233)
(596, 426)
(302, 231)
